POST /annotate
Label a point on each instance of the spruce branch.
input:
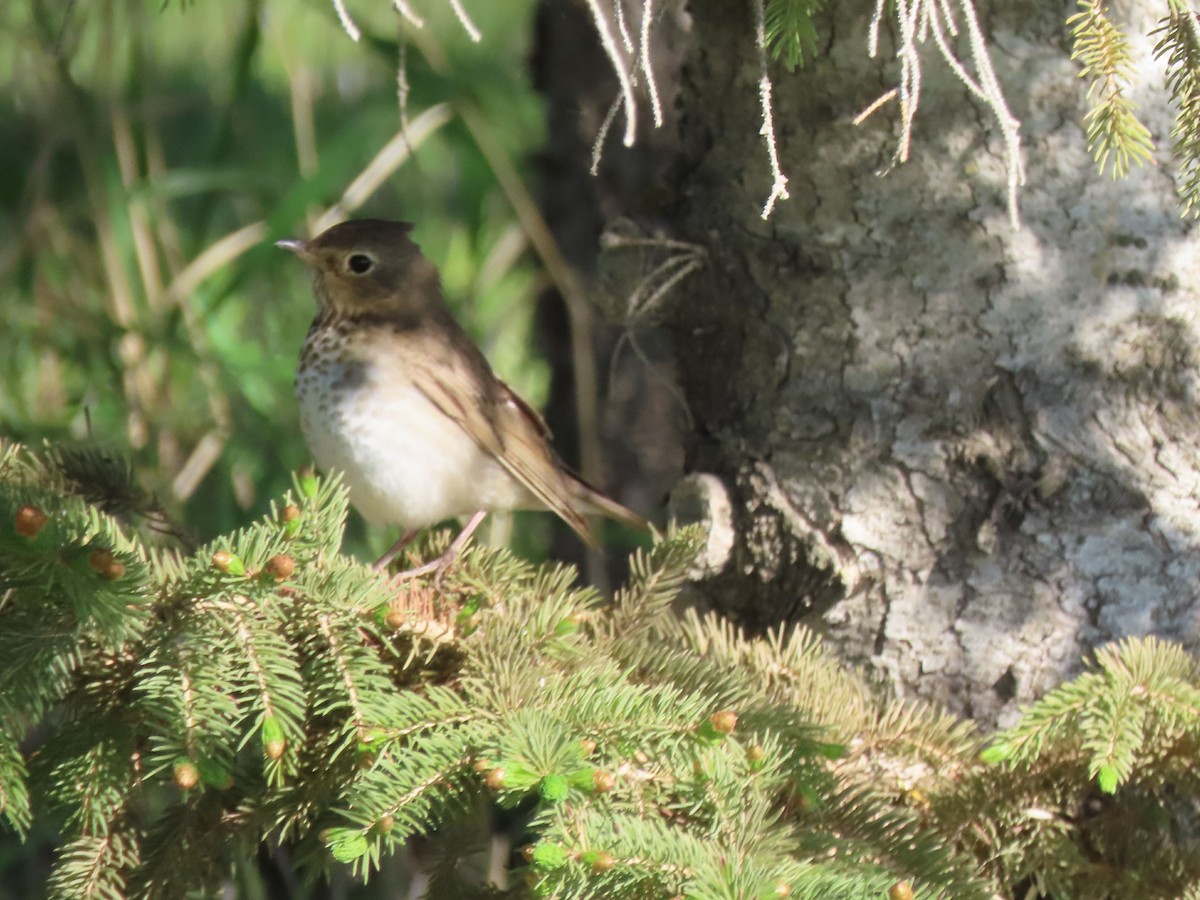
(654, 581)
(268, 676)
(95, 867)
(14, 794)
(1114, 132)
(1141, 700)
(656, 754)
(1179, 42)
(789, 30)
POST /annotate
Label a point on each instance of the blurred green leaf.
(135, 137)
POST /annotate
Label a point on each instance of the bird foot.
(439, 565)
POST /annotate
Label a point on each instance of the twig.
(917, 20)
(1009, 125)
(626, 39)
(347, 23)
(614, 55)
(402, 86)
(403, 7)
(602, 135)
(910, 75)
(873, 30)
(392, 155)
(947, 54)
(689, 258)
(647, 65)
(652, 371)
(468, 26)
(217, 255)
(778, 179)
(874, 107)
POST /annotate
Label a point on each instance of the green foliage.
(150, 152)
(790, 32)
(1179, 42)
(1131, 726)
(169, 713)
(1133, 717)
(1114, 133)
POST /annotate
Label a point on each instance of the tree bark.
(965, 452)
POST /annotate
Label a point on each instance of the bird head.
(369, 267)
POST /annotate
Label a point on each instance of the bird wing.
(585, 496)
(458, 381)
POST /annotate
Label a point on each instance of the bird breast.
(403, 460)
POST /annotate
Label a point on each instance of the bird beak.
(299, 247)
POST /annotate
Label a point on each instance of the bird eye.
(359, 263)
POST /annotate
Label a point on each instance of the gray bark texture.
(966, 453)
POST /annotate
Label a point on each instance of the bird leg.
(440, 564)
(384, 561)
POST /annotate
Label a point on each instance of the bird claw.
(438, 566)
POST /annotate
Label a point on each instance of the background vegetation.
(150, 154)
(265, 706)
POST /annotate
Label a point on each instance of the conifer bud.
(723, 722)
(549, 856)
(901, 890)
(395, 619)
(29, 521)
(495, 778)
(782, 889)
(754, 757)
(226, 562)
(214, 774)
(482, 765)
(600, 861)
(289, 518)
(102, 561)
(467, 617)
(384, 824)
(346, 845)
(274, 743)
(527, 852)
(603, 782)
(280, 567)
(187, 775)
(588, 746)
(554, 788)
(369, 738)
(308, 481)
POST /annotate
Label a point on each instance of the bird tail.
(595, 503)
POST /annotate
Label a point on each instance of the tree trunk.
(965, 452)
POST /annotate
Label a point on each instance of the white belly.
(404, 462)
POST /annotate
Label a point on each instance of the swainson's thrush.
(394, 394)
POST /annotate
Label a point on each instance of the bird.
(398, 398)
